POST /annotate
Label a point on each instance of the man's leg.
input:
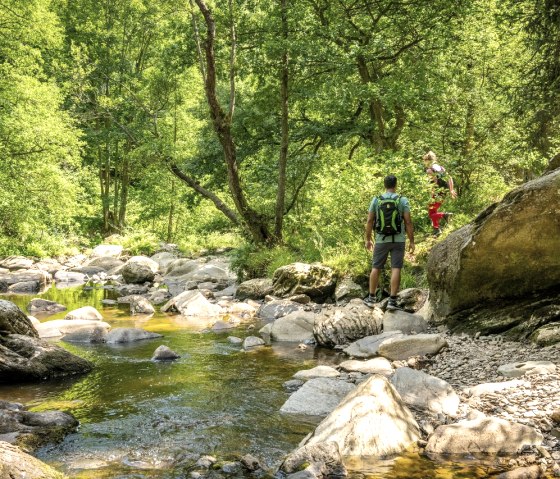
(395, 280)
(374, 280)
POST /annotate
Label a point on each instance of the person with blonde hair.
(441, 183)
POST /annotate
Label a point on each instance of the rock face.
(315, 280)
(256, 288)
(370, 421)
(485, 435)
(317, 397)
(16, 464)
(497, 256)
(139, 269)
(344, 325)
(26, 358)
(14, 321)
(420, 390)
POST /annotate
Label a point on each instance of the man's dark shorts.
(382, 250)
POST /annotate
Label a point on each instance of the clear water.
(141, 419)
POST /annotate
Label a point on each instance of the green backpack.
(388, 221)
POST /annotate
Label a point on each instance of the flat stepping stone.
(491, 388)
(372, 366)
(369, 346)
(516, 370)
(403, 347)
(317, 372)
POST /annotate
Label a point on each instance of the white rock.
(423, 391)
(317, 397)
(60, 327)
(372, 366)
(192, 303)
(403, 347)
(488, 435)
(370, 421)
(317, 372)
(86, 312)
(516, 370)
(490, 388)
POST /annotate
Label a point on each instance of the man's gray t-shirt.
(403, 207)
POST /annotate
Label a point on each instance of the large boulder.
(315, 280)
(370, 421)
(25, 287)
(16, 464)
(256, 288)
(485, 435)
(26, 358)
(317, 397)
(139, 269)
(14, 321)
(342, 325)
(24, 276)
(422, 391)
(508, 255)
(296, 326)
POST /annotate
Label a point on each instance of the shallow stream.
(140, 419)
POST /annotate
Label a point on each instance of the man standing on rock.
(387, 213)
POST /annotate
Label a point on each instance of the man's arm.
(409, 230)
(369, 229)
(452, 188)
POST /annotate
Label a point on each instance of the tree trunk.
(171, 213)
(252, 220)
(125, 182)
(284, 142)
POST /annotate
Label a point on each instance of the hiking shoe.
(392, 304)
(436, 232)
(370, 301)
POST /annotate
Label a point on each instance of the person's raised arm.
(409, 230)
(369, 229)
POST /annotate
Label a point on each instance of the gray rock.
(140, 305)
(101, 263)
(14, 321)
(131, 289)
(317, 397)
(129, 335)
(317, 461)
(293, 384)
(164, 259)
(256, 288)
(222, 326)
(403, 347)
(44, 306)
(317, 372)
(296, 327)
(412, 299)
(347, 289)
(372, 366)
(26, 358)
(529, 472)
(87, 334)
(516, 370)
(341, 326)
(486, 435)
(25, 287)
(368, 347)
(491, 388)
(547, 334)
(250, 463)
(251, 342)
(315, 280)
(85, 312)
(14, 263)
(277, 308)
(370, 421)
(234, 340)
(158, 296)
(405, 322)
(139, 269)
(422, 391)
(163, 353)
(23, 276)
